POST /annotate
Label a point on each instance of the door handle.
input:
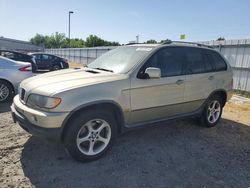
(179, 82)
(211, 77)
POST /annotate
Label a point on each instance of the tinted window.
(37, 56)
(208, 64)
(217, 61)
(9, 55)
(45, 57)
(169, 60)
(195, 61)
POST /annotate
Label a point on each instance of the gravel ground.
(181, 154)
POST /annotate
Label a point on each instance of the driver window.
(169, 60)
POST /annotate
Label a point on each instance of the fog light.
(33, 118)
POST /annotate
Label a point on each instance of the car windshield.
(120, 60)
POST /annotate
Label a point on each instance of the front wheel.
(212, 112)
(90, 135)
(6, 91)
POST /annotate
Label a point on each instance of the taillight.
(25, 69)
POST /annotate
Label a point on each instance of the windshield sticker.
(144, 49)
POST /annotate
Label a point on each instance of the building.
(18, 45)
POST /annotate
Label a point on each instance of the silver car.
(126, 88)
(11, 74)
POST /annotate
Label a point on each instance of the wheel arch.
(222, 93)
(106, 104)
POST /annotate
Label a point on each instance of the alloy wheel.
(4, 92)
(93, 137)
(214, 110)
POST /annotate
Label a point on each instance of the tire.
(82, 134)
(6, 91)
(212, 111)
(55, 67)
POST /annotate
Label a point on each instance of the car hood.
(58, 81)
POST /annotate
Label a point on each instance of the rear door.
(46, 60)
(39, 63)
(153, 99)
(200, 78)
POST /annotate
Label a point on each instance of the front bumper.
(50, 134)
(42, 124)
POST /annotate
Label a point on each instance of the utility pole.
(70, 12)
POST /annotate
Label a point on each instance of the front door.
(158, 98)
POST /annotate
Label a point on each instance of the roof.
(172, 43)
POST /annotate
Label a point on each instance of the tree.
(77, 43)
(165, 41)
(93, 40)
(151, 41)
(38, 40)
(221, 38)
(58, 40)
(54, 41)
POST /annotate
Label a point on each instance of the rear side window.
(9, 55)
(217, 61)
(169, 60)
(194, 61)
(37, 56)
(45, 57)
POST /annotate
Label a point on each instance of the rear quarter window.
(195, 63)
(217, 61)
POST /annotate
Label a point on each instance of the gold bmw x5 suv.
(128, 87)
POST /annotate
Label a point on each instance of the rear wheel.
(212, 111)
(55, 67)
(6, 91)
(90, 135)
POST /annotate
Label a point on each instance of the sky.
(122, 20)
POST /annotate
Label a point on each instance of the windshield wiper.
(104, 69)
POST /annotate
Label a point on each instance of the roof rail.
(182, 42)
(132, 43)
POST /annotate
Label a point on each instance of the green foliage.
(165, 41)
(38, 39)
(93, 40)
(151, 41)
(59, 40)
(221, 38)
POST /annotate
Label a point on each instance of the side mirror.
(153, 72)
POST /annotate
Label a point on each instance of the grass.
(242, 93)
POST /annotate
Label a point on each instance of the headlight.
(40, 101)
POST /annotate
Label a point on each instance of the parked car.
(50, 62)
(126, 88)
(11, 74)
(18, 56)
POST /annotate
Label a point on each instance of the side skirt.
(159, 122)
